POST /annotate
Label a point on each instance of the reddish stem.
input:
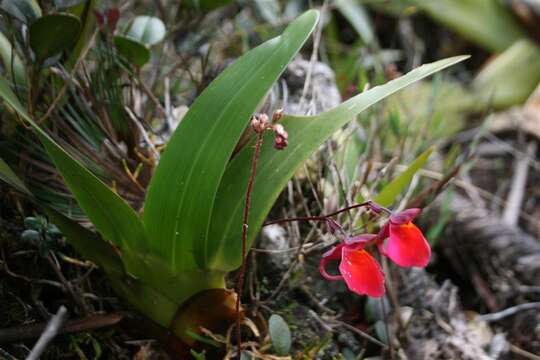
(240, 285)
(368, 204)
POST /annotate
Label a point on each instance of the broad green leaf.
(134, 52)
(147, 30)
(7, 175)
(24, 10)
(280, 335)
(53, 34)
(181, 194)
(112, 216)
(391, 191)
(275, 168)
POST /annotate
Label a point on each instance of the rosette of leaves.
(171, 261)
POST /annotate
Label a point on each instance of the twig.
(92, 322)
(524, 353)
(509, 312)
(314, 53)
(360, 332)
(51, 330)
(517, 191)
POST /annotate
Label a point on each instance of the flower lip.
(361, 272)
(404, 216)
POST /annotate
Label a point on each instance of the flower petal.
(404, 216)
(330, 255)
(360, 239)
(407, 245)
(361, 272)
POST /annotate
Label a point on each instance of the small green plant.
(170, 262)
(40, 233)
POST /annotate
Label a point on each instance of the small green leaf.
(280, 335)
(134, 52)
(380, 330)
(147, 30)
(12, 62)
(24, 10)
(391, 191)
(53, 34)
(35, 223)
(30, 236)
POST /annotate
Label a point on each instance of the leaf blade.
(388, 195)
(181, 194)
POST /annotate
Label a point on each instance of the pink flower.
(406, 245)
(360, 271)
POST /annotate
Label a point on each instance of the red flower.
(406, 245)
(360, 271)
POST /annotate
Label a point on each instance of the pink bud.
(277, 115)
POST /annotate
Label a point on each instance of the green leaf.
(134, 52)
(511, 77)
(355, 13)
(24, 10)
(85, 12)
(182, 191)
(391, 191)
(275, 168)
(147, 30)
(87, 243)
(53, 34)
(280, 335)
(12, 62)
(487, 23)
(111, 215)
(7, 175)
(380, 330)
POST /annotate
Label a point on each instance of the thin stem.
(368, 204)
(256, 154)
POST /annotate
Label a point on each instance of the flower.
(406, 245)
(360, 271)
(399, 239)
